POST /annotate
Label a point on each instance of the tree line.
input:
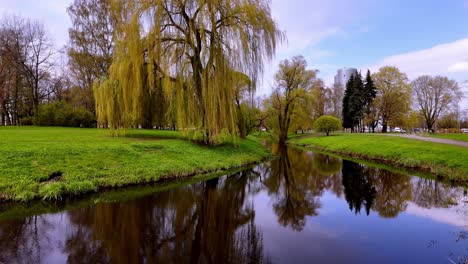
(192, 66)
(388, 98)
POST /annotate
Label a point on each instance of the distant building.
(343, 75)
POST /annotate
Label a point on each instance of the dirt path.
(436, 140)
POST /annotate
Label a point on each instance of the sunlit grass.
(85, 160)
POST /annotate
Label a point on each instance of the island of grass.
(448, 161)
(50, 163)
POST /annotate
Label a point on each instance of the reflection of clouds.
(452, 216)
(320, 230)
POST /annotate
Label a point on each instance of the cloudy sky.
(418, 36)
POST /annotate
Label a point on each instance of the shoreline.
(437, 170)
(56, 163)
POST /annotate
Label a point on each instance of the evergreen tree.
(346, 112)
(357, 102)
(370, 90)
(370, 94)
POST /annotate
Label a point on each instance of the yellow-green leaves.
(191, 49)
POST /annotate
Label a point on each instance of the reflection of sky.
(339, 235)
(455, 215)
(55, 238)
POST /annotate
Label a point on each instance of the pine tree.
(370, 94)
(370, 90)
(357, 102)
(347, 116)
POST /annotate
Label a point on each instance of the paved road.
(430, 139)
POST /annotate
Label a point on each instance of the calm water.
(301, 208)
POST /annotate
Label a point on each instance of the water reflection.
(215, 221)
(204, 223)
(358, 187)
(295, 184)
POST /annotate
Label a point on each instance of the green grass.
(440, 159)
(459, 137)
(89, 160)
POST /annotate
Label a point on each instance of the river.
(301, 207)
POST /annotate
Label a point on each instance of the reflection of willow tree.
(358, 188)
(24, 240)
(393, 192)
(206, 222)
(296, 186)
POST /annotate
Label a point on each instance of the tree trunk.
(430, 126)
(384, 128)
(283, 137)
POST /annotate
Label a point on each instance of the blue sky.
(418, 36)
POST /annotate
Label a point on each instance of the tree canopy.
(393, 95)
(327, 124)
(189, 50)
(433, 95)
(293, 84)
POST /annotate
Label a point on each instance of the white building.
(343, 75)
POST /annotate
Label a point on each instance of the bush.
(327, 124)
(63, 114)
(26, 121)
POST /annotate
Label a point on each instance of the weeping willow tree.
(189, 50)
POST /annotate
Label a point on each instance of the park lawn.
(50, 163)
(459, 136)
(444, 160)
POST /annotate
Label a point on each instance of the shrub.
(327, 124)
(63, 114)
(26, 121)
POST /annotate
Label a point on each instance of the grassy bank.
(440, 159)
(50, 163)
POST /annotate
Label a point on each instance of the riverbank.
(52, 163)
(442, 160)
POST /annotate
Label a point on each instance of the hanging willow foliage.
(188, 49)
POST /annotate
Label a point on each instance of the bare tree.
(337, 93)
(435, 95)
(30, 51)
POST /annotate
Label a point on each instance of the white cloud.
(453, 216)
(448, 59)
(459, 67)
(307, 23)
(441, 59)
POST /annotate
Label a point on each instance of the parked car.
(464, 130)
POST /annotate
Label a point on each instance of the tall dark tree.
(357, 101)
(353, 103)
(370, 92)
(347, 118)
